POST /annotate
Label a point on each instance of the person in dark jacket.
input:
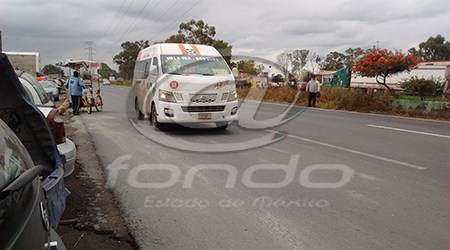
(75, 88)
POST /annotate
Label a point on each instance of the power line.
(184, 13)
(129, 26)
(110, 24)
(163, 14)
(171, 7)
(128, 29)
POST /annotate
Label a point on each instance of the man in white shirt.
(312, 87)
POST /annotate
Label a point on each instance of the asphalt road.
(378, 182)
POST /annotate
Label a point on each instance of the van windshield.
(192, 64)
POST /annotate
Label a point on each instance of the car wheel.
(154, 120)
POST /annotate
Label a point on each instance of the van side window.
(146, 68)
(155, 63)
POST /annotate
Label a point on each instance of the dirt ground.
(92, 219)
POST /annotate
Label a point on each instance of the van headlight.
(232, 96)
(166, 96)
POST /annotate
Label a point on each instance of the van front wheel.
(154, 120)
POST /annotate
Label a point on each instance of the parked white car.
(51, 87)
(106, 81)
(34, 90)
(37, 94)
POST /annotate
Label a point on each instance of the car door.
(23, 211)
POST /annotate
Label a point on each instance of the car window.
(38, 87)
(30, 95)
(189, 64)
(14, 158)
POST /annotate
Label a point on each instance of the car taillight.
(57, 124)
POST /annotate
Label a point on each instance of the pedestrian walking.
(313, 89)
(75, 88)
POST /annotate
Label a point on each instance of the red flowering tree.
(382, 63)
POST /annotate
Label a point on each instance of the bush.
(423, 87)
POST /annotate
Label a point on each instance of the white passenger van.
(183, 84)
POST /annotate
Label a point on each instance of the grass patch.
(127, 83)
(345, 99)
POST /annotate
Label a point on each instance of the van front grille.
(203, 98)
(199, 109)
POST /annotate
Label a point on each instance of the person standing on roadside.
(75, 88)
(313, 89)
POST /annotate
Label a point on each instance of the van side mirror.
(153, 70)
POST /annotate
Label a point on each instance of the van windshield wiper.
(174, 73)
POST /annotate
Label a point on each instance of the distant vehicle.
(302, 85)
(40, 76)
(106, 81)
(272, 85)
(51, 87)
(184, 83)
(242, 83)
(23, 209)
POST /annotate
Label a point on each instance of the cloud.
(263, 28)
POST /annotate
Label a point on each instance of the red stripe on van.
(183, 49)
(197, 52)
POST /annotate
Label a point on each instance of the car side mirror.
(26, 177)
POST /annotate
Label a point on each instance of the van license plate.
(204, 116)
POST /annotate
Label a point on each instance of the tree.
(433, 49)
(351, 55)
(423, 87)
(381, 64)
(314, 61)
(50, 69)
(127, 57)
(196, 32)
(106, 71)
(334, 61)
(283, 61)
(224, 49)
(249, 67)
(199, 32)
(298, 60)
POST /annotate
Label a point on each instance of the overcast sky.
(261, 28)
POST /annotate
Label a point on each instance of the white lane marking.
(355, 152)
(409, 131)
(276, 150)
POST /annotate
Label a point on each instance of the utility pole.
(1, 47)
(90, 49)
